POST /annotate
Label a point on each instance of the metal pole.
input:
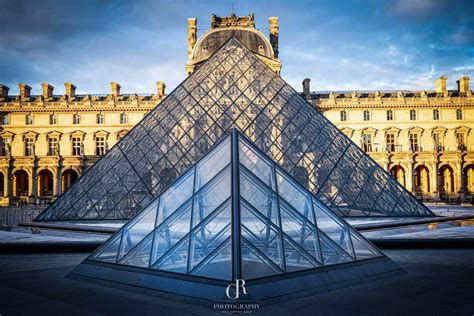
(236, 249)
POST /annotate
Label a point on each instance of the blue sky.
(340, 45)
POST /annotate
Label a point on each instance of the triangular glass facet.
(234, 89)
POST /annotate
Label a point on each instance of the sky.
(340, 45)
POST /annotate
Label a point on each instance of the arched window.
(29, 119)
(413, 115)
(53, 119)
(100, 118)
(123, 118)
(366, 115)
(76, 118)
(389, 115)
(343, 115)
(459, 114)
(436, 114)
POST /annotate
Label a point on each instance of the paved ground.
(438, 282)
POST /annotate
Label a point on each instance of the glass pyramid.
(235, 215)
(234, 89)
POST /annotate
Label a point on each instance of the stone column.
(410, 177)
(57, 183)
(458, 179)
(33, 185)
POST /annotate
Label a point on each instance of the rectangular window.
(5, 146)
(100, 145)
(389, 115)
(458, 114)
(390, 140)
(123, 118)
(414, 142)
(461, 140)
(6, 119)
(29, 119)
(413, 115)
(53, 119)
(436, 114)
(343, 116)
(52, 146)
(367, 142)
(29, 146)
(366, 115)
(76, 119)
(100, 118)
(76, 146)
(437, 142)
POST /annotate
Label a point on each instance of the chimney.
(160, 89)
(440, 84)
(306, 87)
(70, 90)
(25, 90)
(463, 84)
(3, 91)
(47, 90)
(192, 35)
(273, 27)
(115, 89)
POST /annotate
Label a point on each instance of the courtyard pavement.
(437, 282)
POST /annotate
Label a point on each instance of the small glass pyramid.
(233, 89)
(235, 215)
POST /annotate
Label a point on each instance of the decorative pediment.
(416, 130)
(54, 134)
(101, 133)
(8, 135)
(347, 131)
(392, 130)
(77, 134)
(30, 134)
(369, 130)
(121, 134)
(439, 130)
(462, 130)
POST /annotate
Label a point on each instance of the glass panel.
(255, 264)
(175, 196)
(261, 234)
(296, 197)
(297, 258)
(135, 231)
(171, 231)
(259, 196)
(108, 252)
(257, 164)
(140, 255)
(332, 254)
(218, 264)
(176, 260)
(300, 230)
(362, 248)
(209, 234)
(213, 163)
(332, 227)
(211, 196)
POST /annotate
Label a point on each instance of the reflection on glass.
(208, 167)
(294, 195)
(257, 164)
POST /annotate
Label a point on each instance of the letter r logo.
(239, 284)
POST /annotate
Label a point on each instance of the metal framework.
(234, 89)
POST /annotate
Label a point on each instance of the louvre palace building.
(422, 138)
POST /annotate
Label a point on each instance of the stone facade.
(242, 28)
(47, 141)
(423, 138)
